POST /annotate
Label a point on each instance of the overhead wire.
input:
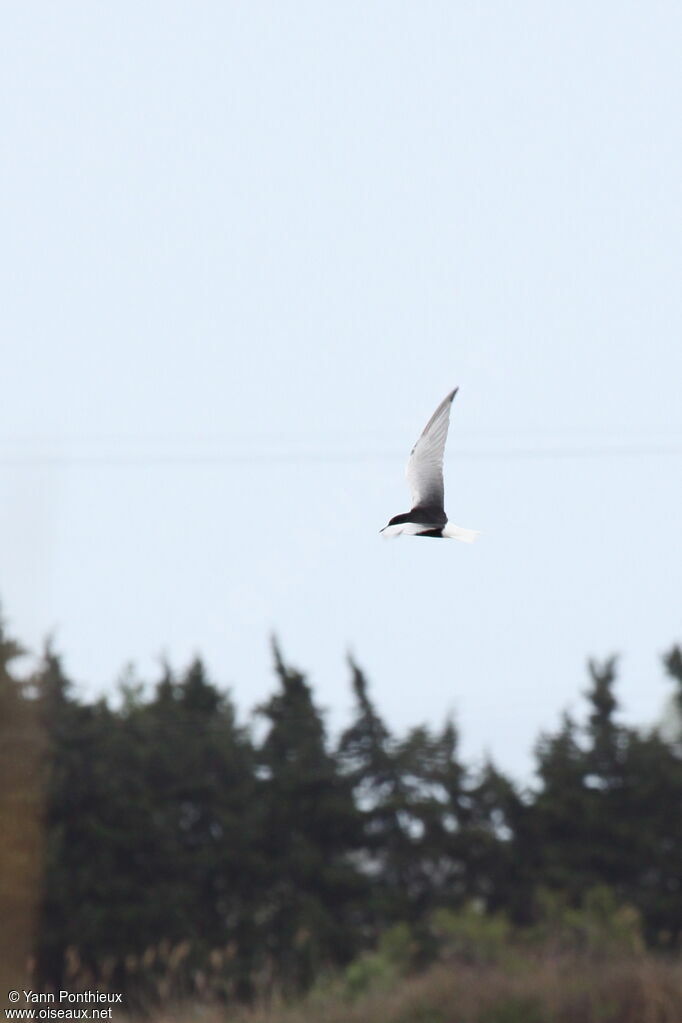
(598, 451)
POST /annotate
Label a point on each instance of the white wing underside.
(403, 529)
(425, 465)
(416, 529)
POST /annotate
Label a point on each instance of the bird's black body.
(432, 519)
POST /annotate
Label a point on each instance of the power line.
(318, 457)
(628, 434)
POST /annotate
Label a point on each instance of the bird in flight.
(425, 478)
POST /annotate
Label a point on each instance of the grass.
(575, 965)
(640, 989)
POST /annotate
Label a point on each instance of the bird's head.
(397, 520)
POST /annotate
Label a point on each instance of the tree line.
(168, 829)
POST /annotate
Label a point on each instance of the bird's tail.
(459, 533)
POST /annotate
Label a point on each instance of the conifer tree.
(433, 834)
(553, 837)
(21, 816)
(607, 741)
(370, 760)
(193, 867)
(148, 815)
(310, 830)
(492, 814)
(609, 813)
(434, 783)
(570, 838)
(653, 789)
(85, 815)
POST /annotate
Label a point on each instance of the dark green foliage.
(673, 663)
(371, 762)
(309, 829)
(148, 820)
(22, 751)
(172, 837)
(435, 833)
(609, 811)
(516, 1010)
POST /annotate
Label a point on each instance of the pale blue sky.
(246, 250)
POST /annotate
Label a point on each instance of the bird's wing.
(425, 465)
